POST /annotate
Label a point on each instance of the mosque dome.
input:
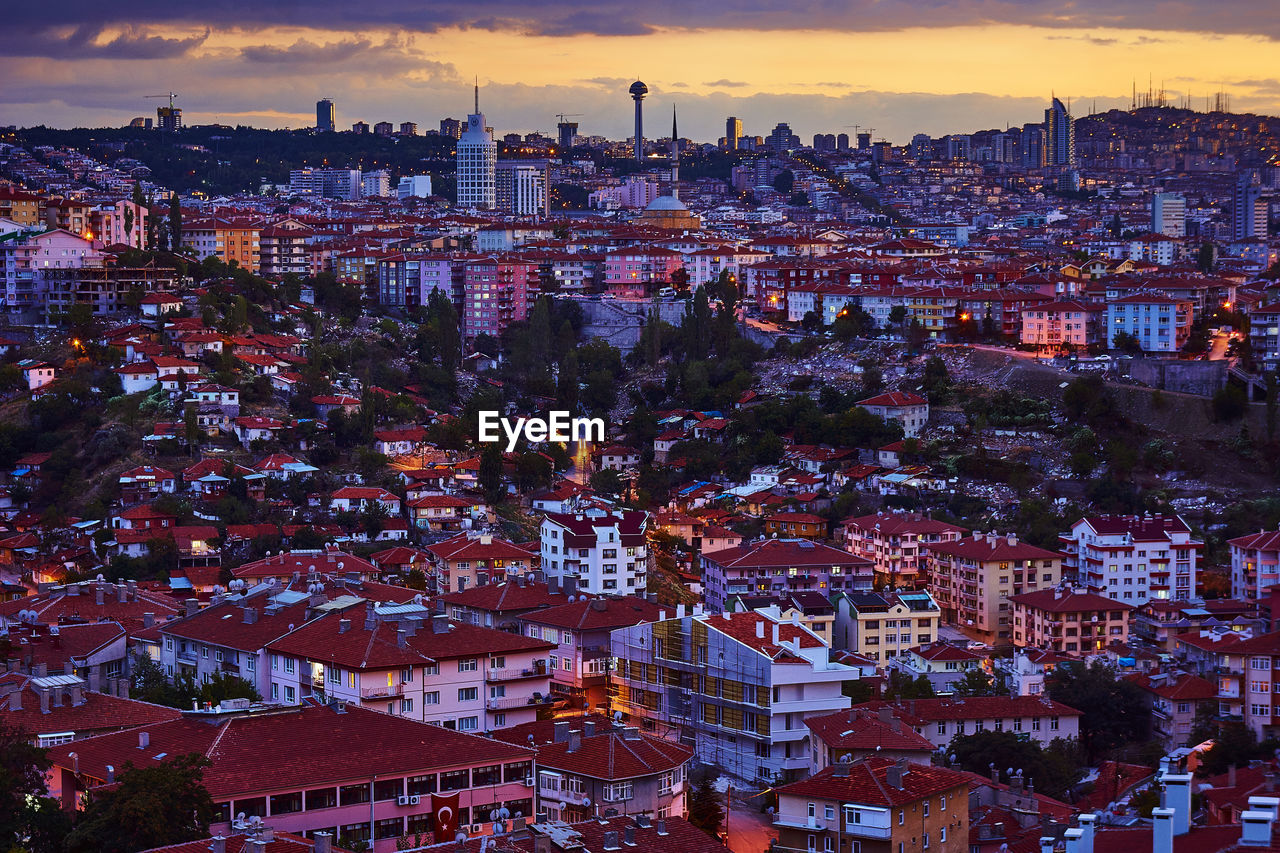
(666, 202)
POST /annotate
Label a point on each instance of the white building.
(477, 164)
(414, 186)
(602, 552)
(521, 187)
(910, 410)
(376, 184)
(1169, 214)
(1133, 558)
(342, 184)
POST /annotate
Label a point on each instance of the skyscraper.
(732, 132)
(638, 91)
(521, 187)
(1249, 209)
(326, 116)
(477, 163)
(1059, 136)
(566, 132)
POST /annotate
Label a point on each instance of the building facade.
(1132, 558)
(603, 552)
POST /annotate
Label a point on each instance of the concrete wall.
(1203, 378)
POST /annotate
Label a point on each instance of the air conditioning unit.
(415, 799)
(402, 801)
(529, 781)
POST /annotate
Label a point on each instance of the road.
(1218, 347)
(749, 829)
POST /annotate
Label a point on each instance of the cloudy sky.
(900, 66)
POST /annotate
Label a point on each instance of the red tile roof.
(769, 553)
(282, 842)
(507, 597)
(1067, 601)
(989, 547)
(604, 755)
(742, 627)
(57, 605)
(894, 399)
(98, 714)
(867, 783)
(304, 562)
(282, 750)
(1263, 540)
(598, 614)
(920, 712)
(859, 728)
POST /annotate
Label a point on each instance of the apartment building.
(1174, 700)
(1255, 564)
(892, 541)
(1037, 718)
(497, 291)
(737, 687)
(587, 765)
(882, 626)
(1132, 558)
(404, 662)
(363, 777)
(1069, 620)
(942, 664)
(1247, 682)
(1061, 325)
(230, 240)
(861, 733)
(973, 579)
(1264, 334)
(580, 660)
(876, 805)
(1160, 324)
(778, 567)
(909, 410)
(603, 552)
(476, 559)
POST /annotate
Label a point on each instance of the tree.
(28, 819)
(1112, 711)
(1205, 258)
(175, 222)
(1126, 343)
(706, 810)
(1053, 770)
(976, 682)
(490, 474)
(128, 225)
(784, 181)
(148, 807)
(608, 480)
(898, 315)
(899, 685)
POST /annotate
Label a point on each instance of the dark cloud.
(727, 84)
(87, 42)
(615, 17)
(303, 51)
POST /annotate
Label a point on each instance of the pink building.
(627, 271)
(360, 775)
(497, 292)
(460, 676)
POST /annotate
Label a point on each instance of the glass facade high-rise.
(326, 116)
(1059, 136)
(477, 164)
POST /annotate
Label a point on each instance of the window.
(354, 794)
(289, 665)
(334, 675)
(406, 706)
(829, 811)
(288, 693)
(902, 818)
(813, 810)
(926, 808)
(942, 834)
(616, 792)
(455, 780)
(467, 694)
(924, 841)
(388, 827)
(468, 665)
(1053, 724)
(468, 724)
(432, 698)
(942, 803)
(322, 798)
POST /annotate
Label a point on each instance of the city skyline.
(891, 74)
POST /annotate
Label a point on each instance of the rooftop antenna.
(477, 94)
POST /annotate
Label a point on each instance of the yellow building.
(883, 626)
(20, 206)
(974, 578)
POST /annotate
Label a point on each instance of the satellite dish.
(586, 801)
(461, 836)
(493, 814)
(504, 813)
(498, 828)
(617, 716)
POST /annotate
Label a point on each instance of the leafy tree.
(899, 685)
(937, 381)
(1053, 770)
(175, 222)
(976, 682)
(415, 579)
(149, 807)
(29, 820)
(128, 225)
(898, 315)
(1127, 343)
(608, 481)
(1112, 711)
(1205, 258)
(784, 181)
(1234, 744)
(706, 809)
(490, 474)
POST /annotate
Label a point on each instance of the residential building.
(405, 661)
(1061, 325)
(1160, 324)
(476, 559)
(497, 292)
(1038, 718)
(1132, 558)
(973, 579)
(589, 764)
(1264, 334)
(882, 626)
(581, 660)
(604, 552)
(1059, 136)
(1249, 208)
(1175, 700)
(283, 249)
(1069, 620)
(813, 610)
(894, 542)
(344, 184)
(1025, 671)
(780, 566)
(1169, 214)
(414, 186)
(737, 687)
(522, 187)
(859, 733)
(796, 525)
(876, 805)
(1255, 564)
(390, 777)
(942, 664)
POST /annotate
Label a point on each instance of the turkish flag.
(446, 814)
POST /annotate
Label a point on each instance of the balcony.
(515, 674)
(188, 658)
(382, 691)
(506, 703)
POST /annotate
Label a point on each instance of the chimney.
(77, 695)
(611, 841)
(1231, 776)
(662, 827)
(575, 741)
(1073, 837)
(630, 733)
(440, 623)
(1162, 830)
(759, 629)
(1256, 829)
(1177, 798)
(250, 615)
(629, 836)
(323, 842)
(122, 688)
(99, 595)
(15, 700)
(122, 594)
(111, 774)
(1271, 805)
(560, 731)
(144, 740)
(588, 728)
(893, 774)
(218, 844)
(192, 606)
(1046, 844)
(148, 619)
(1088, 825)
(402, 639)
(44, 700)
(775, 633)
(344, 625)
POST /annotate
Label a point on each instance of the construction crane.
(563, 116)
(169, 95)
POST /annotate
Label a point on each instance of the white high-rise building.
(603, 553)
(376, 184)
(477, 163)
(414, 186)
(521, 187)
(1169, 214)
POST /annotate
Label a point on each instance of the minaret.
(638, 91)
(675, 155)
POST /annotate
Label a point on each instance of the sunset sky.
(930, 66)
